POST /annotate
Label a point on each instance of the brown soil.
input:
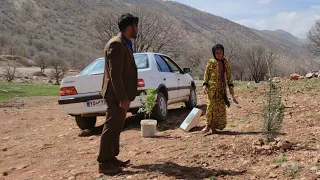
(39, 141)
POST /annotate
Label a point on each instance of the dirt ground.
(39, 141)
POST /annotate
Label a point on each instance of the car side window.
(162, 65)
(141, 61)
(172, 65)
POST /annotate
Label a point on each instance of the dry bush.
(42, 60)
(9, 72)
(60, 69)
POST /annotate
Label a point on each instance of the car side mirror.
(186, 70)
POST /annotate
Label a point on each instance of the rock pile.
(313, 74)
(261, 147)
(294, 77)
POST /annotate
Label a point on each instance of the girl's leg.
(208, 116)
(221, 115)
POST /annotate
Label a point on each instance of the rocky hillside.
(64, 28)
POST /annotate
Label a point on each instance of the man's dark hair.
(127, 20)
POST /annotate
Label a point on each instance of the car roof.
(146, 53)
(152, 53)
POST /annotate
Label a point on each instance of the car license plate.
(99, 102)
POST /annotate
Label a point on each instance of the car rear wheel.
(86, 122)
(192, 103)
(160, 111)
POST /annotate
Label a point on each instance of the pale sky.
(294, 16)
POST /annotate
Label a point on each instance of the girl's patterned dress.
(216, 108)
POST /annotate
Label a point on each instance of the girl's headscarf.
(216, 47)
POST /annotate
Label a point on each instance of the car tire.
(160, 111)
(192, 103)
(86, 122)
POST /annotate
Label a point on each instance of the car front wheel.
(160, 111)
(192, 103)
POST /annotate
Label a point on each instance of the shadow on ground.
(171, 169)
(175, 119)
(235, 133)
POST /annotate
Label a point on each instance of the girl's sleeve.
(206, 75)
(229, 76)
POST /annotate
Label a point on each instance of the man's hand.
(125, 104)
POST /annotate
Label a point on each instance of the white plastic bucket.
(148, 128)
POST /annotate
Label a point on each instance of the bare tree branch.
(157, 32)
(257, 62)
(235, 53)
(106, 25)
(314, 38)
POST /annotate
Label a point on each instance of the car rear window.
(97, 66)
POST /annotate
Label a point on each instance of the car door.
(169, 78)
(184, 81)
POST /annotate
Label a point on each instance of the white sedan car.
(81, 95)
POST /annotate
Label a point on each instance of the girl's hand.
(205, 89)
(234, 99)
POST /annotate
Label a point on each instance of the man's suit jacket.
(120, 72)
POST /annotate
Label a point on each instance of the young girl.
(217, 76)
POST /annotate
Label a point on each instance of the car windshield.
(97, 66)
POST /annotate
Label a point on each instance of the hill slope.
(64, 28)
